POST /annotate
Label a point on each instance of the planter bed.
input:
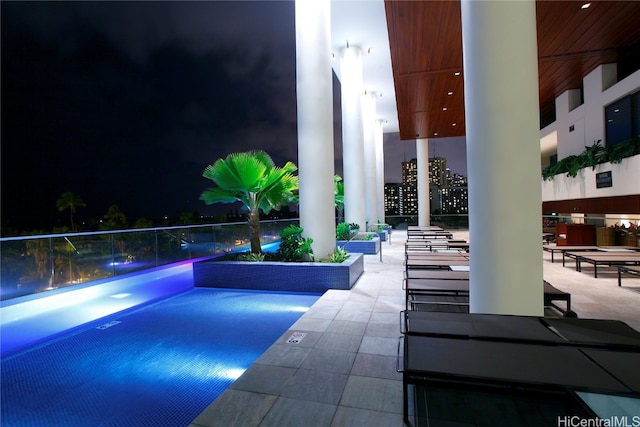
(314, 277)
(367, 247)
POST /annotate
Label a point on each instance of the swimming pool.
(160, 365)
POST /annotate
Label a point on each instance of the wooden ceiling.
(425, 38)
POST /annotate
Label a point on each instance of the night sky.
(127, 102)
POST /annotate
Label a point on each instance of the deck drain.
(109, 324)
(296, 337)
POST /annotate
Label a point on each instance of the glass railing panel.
(401, 222)
(200, 242)
(451, 221)
(171, 246)
(32, 264)
(26, 267)
(270, 230)
(81, 258)
(232, 237)
(134, 251)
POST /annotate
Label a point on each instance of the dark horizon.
(126, 103)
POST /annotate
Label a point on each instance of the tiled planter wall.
(367, 247)
(315, 277)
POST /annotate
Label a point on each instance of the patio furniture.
(628, 270)
(435, 244)
(605, 333)
(412, 229)
(521, 355)
(563, 249)
(552, 294)
(436, 274)
(605, 258)
(515, 366)
(446, 264)
(428, 235)
(595, 333)
(599, 251)
(493, 327)
(414, 288)
(427, 232)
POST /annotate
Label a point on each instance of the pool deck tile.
(315, 386)
(296, 413)
(360, 329)
(266, 379)
(376, 366)
(284, 355)
(375, 394)
(347, 327)
(365, 418)
(339, 342)
(339, 362)
(236, 408)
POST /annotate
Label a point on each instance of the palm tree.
(252, 179)
(70, 201)
(114, 219)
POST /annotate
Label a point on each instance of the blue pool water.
(157, 366)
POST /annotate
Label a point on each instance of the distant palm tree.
(252, 179)
(114, 219)
(70, 201)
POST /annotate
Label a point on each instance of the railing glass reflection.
(33, 264)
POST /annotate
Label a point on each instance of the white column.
(503, 156)
(352, 135)
(379, 138)
(424, 205)
(314, 81)
(368, 120)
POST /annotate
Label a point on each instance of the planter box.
(314, 277)
(367, 247)
(384, 233)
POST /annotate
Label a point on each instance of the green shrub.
(249, 256)
(593, 156)
(294, 247)
(338, 256)
(346, 231)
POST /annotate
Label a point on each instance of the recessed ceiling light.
(435, 134)
(444, 108)
(454, 124)
(616, 110)
(449, 93)
(457, 73)
(585, 6)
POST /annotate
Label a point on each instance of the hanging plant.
(591, 157)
